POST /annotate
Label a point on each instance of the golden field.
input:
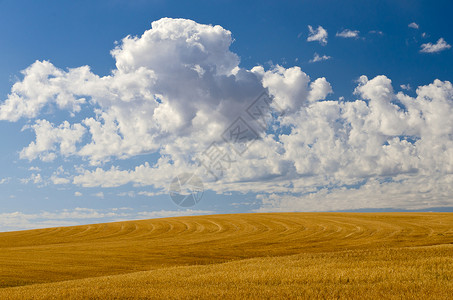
(278, 255)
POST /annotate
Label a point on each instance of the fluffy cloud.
(405, 192)
(57, 178)
(406, 87)
(330, 143)
(413, 25)
(175, 90)
(291, 87)
(390, 151)
(441, 45)
(51, 140)
(178, 80)
(44, 84)
(347, 33)
(317, 58)
(34, 178)
(317, 35)
(178, 89)
(5, 180)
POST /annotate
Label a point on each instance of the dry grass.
(297, 255)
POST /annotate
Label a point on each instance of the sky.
(121, 110)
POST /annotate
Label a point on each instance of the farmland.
(304, 255)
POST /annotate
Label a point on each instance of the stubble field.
(290, 255)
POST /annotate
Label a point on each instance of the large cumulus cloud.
(179, 79)
(177, 88)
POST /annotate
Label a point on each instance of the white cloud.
(331, 143)
(319, 89)
(167, 84)
(99, 195)
(317, 58)
(59, 180)
(317, 35)
(413, 25)
(407, 192)
(66, 217)
(178, 87)
(79, 215)
(51, 140)
(122, 208)
(34, 178)
(406, 87)
(378, 32)
(441, 45)
(5, 180)
(114, 177)
(291, 87)
(347, 33)
(78, 194)
(56, 176)
(172, 213)
(130, 194)
(148, 194)
(44, 84)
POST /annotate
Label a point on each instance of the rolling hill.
(304, 255)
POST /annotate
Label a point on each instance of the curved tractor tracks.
(65, 253)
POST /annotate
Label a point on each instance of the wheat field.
(276, 255)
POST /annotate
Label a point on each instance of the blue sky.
(367, 127)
